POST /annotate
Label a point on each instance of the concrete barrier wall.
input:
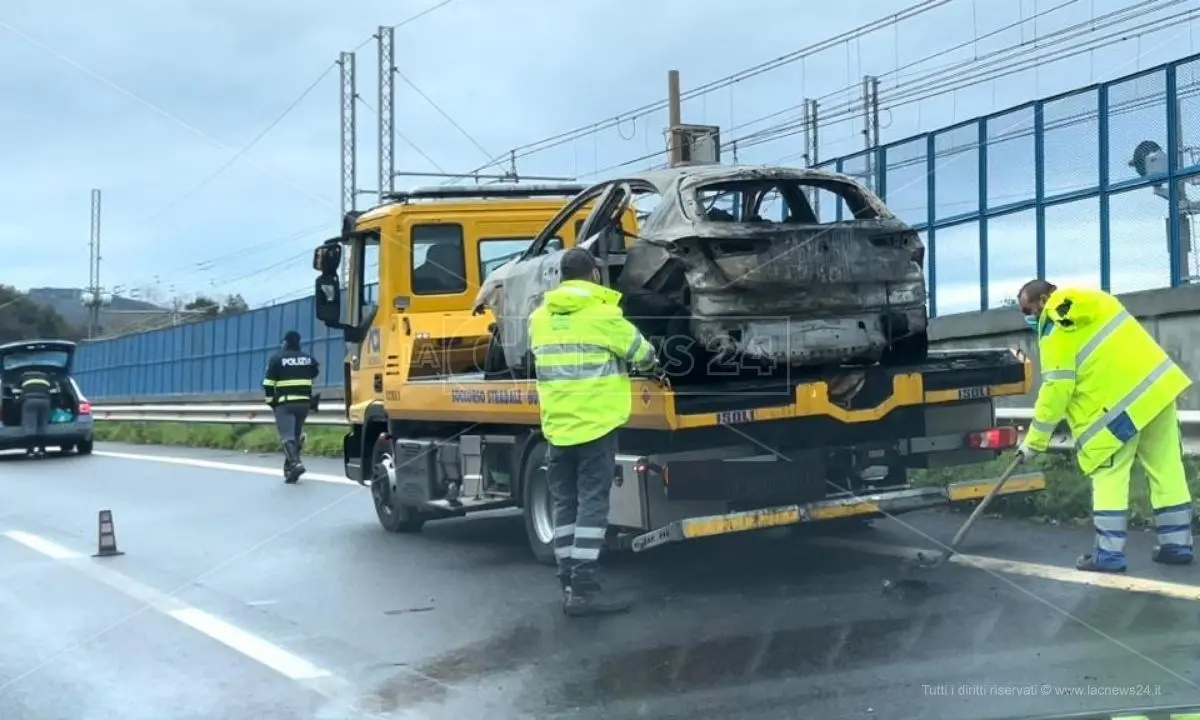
(1172, 315)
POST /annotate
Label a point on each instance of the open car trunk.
(53, 357)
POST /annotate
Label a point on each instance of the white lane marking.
(234, 467)
(1127, 583)
(252, 646)
(42, 545)
(261, 603)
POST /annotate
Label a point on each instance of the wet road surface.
(240, 597)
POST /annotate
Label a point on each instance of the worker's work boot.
(1172, 554)
(565, 582)
(586, 597)
(1100, 561)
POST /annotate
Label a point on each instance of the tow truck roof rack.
(485, 192)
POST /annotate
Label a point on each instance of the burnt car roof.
(689, 176)
(676, 215)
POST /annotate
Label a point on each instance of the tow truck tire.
(394, 517)
(537, 505)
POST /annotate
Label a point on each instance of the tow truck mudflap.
(890, 502)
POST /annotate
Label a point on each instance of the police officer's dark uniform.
(289, 388)
(35, 409)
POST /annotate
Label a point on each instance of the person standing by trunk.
(288, 385)
(583, 346)
(35, 409)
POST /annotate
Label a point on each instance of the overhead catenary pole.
(349, 145)
(674, 119)
(93, 296)
(812, 147)
(870, 131)
(387, 110)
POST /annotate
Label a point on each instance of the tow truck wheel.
(538, 505)
(393, 516)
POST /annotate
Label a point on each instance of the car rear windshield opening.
(38, 357)
(804, 202)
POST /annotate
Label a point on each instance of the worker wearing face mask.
(1116, 388)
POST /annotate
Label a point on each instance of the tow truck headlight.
(999, 438)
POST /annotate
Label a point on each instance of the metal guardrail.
(330, 413)
(334, 413)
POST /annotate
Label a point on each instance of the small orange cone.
(108, 536)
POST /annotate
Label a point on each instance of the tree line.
(21, 318)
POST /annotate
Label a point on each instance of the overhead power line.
(444, 114)
(991, 66)
(995, 67)
(563, 138)
(405, 21)
(242, 152)
(898, 73)
(406, 140)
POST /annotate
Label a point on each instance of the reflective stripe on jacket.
(290, 375)
(1100, 370)
(35, 383)
(583, 347)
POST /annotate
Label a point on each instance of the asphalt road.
(240, 597)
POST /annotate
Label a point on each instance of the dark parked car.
(70, 426)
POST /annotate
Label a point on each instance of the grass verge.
(1066, 499)
(323, 441)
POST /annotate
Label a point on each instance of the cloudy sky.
(151, 100)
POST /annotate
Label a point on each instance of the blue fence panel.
(1089, 187)
(217, 357)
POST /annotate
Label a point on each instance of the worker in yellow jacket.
(583, 348)
(1117, 389)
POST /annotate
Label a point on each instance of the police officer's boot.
(586, 597)
(292, 468)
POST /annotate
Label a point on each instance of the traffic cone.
(108, 536)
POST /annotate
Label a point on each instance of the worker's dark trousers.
(289, 421)
(580, 478)
(35, 416)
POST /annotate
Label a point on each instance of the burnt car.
(751, 267)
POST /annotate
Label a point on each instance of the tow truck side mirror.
(327, 258)
(327, 299)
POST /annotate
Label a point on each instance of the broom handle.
(987, 500)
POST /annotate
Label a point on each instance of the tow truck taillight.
(1000, 438)
(643, 467)
(85, 407)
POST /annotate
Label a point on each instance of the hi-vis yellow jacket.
(1102, 371)
(583, 346)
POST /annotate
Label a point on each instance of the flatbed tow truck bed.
(684, 454)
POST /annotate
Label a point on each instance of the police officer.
(289, 388)
(1117, 389)
(35, 409)
(583, 345)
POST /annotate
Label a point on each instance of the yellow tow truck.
(437, 432)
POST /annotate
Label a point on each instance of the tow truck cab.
(400, 280)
